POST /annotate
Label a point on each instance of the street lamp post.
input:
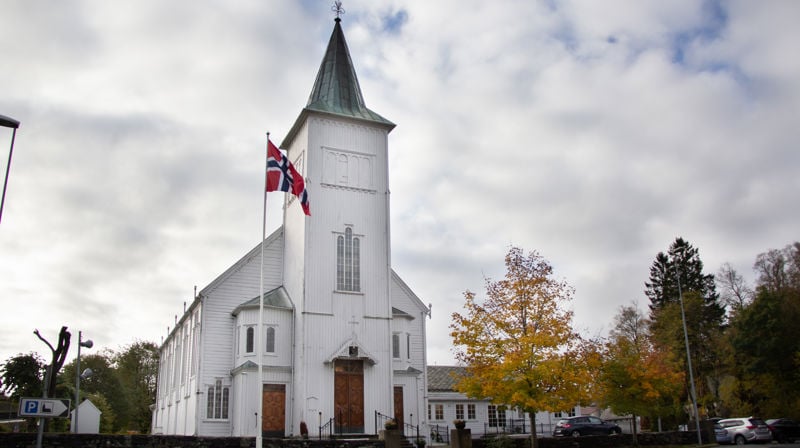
(689, 363)
(8, 122)
(78, 375)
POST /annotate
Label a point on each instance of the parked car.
(721, 434)
(784, 430)
(584, 426)
(746, 430)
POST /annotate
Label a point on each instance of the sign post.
(43, 407)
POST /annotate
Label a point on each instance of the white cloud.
(592, 132)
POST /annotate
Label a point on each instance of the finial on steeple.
(337, 8)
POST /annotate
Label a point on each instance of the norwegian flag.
(282, 176)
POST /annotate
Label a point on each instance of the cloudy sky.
(592, 132)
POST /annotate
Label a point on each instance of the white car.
(745, 430)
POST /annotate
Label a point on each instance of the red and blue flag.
(282, 176)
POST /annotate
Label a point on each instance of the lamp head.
(87, 374)
(8, 122)
(87, 343)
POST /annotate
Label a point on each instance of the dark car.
(584, 426)
(784, 430)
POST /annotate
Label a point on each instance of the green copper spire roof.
(336, 89)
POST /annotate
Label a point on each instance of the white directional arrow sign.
(43, 407)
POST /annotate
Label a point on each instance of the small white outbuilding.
(89, 418)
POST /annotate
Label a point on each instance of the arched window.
(249, 340)
(217, 401)
(270, 339)
(348, 259)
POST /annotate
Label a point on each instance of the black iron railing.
(327, 430)
(440, 433)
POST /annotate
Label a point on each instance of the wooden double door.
(348, 396)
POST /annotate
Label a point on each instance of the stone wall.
(28, 440)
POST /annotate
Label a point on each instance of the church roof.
(277, 298)
(336, 90)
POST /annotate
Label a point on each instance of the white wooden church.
(344, 336)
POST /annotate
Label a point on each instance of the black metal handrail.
(410, 430)
(327, 428)
(380, 420)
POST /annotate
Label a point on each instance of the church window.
(396, 346)
(270, 339)
(249, 340)
(176, 369)
(187, 353)
(217, 404)
(195, 331)
(348, 259)
(408, 346)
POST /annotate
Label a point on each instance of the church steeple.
(336, 90)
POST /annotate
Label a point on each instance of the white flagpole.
(260, 346)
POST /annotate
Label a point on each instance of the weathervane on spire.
(337, 8)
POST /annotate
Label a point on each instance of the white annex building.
(344, 336)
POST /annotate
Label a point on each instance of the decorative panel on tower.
(348, 169)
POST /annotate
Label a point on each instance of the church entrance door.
(398, 407)
(348, 390)
(273, 413)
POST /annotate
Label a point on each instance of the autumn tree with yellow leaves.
(637, 377)
(518, 344)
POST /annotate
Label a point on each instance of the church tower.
(337, 262)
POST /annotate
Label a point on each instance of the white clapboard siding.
(181, 404)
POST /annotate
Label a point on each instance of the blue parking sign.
(31, 407)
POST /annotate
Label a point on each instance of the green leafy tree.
(107, 416)
(137, 368)
(518, 344)
(104, 381)
(765, 348)
(22, 376)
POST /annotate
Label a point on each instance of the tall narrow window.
(270, 339)
(471, 412)
(348, 259)
(460, 411)
(249, 343)
(177, 360)
(408, 346)
(492, 416)
(396, 346)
